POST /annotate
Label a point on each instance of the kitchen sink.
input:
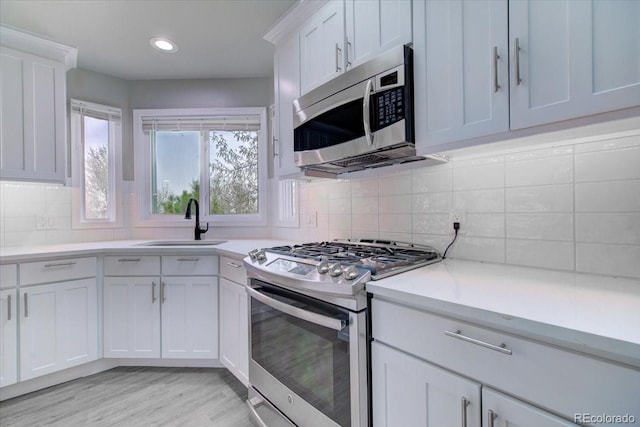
(182, 243)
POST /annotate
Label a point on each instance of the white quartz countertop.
(596, 314)
(233, 248)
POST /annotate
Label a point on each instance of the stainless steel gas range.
(308, 328)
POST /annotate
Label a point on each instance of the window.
(95, 137)
(217, 156)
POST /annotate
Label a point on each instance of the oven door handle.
(318, 319)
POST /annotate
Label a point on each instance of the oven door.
(305, 357)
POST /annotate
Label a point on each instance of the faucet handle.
(205, 230)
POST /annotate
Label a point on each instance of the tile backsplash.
(566, 207)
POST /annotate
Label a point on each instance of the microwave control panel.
(390, 107)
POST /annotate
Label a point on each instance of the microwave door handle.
(318, 319)
(366, 106)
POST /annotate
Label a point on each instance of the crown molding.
(292, 19)
(36, 45)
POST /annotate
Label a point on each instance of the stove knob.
(261, 255)
(252, 254)
(323, 267)
(351, 272)
(335, 270)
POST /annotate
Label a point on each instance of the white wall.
(571, 207)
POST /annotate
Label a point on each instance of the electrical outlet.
(42, 222)
(459, 217)
(312, 219)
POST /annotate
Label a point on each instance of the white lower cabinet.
(8, 338)
(504, 411)
(234, 319)
(58, 327)
(411, 392)
(169, 315)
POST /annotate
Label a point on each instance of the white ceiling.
(216, 38)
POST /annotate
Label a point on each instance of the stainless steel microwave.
(361, 119)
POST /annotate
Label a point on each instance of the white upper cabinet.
(465, 69)
(322, 46)
(375, 26)
(33, 107)
(482, 71)
(572, 58)
(287, 89)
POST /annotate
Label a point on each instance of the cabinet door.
(462, 66)
(8, 338)
(503, 411)
(189, 317)
(410, 392)
(287, 81)
(375, 26)
(234, 329)
(33, 117)
(571, 59)
(58, 327)
(131, 317)
(322, 46)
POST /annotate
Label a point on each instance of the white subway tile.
(482, 225)
(547, 198)
(623, 228)
(615, 260)
(394, 223)
(364, 188)
(539, 171)
(339, 222)
(367, 222)
(339, 206)
(394, 204)
(98, 235)
(426, 181)
(394, 184)
(541, 226)
(431, 202)
(479, 201)
(483, 176)
(364, 205)
(25, 238)
(541, 253)
(477, 249)
(608, 165)
(608, 144)
(608, 196)
(340, 189)
(439, 242)
(433, 223)
(396, 237)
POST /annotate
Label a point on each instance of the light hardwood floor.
(135, 396)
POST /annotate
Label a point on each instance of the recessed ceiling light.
(163, 45)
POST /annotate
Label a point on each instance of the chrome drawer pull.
(129, 260)
(502, 348)
(26, 306)
(153, 292)
(8, 307)
(491, 416)
(60, 264)
(233, 264)
(163, 296)
(465, 403)
(189, 259)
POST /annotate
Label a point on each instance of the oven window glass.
(338, 125)
(311, 360)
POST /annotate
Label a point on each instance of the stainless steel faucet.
(197, 231)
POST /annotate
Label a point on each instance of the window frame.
(142, 155)
(113, 115)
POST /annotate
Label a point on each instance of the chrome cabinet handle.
(153, 292)
(318, 319)
(502, 348)
(338, 51)
(496, 85)
(188, 259)
(491, 416)
(163, 296)
(517, 61)
(464, 405)
(129, 260)
(366, 104)
(233, 264)
(274, 144)
(59, 264)
(349, 47)
(26, 305)
(8, 307)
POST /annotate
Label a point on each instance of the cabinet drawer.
(8, 276)
(557, 379)
(131, 265)
(57, 270)
(190, 265)
(233, 270)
